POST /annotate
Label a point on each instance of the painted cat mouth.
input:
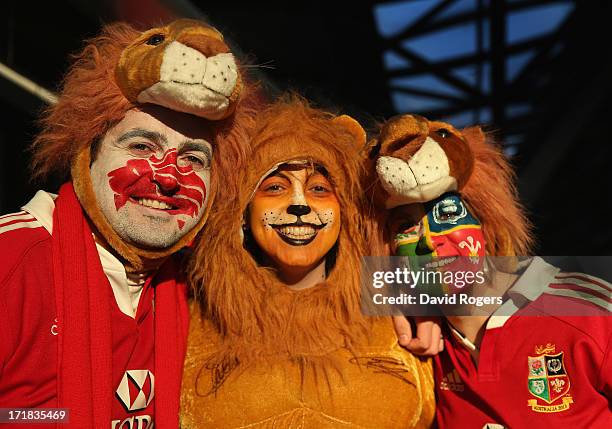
(298, 233)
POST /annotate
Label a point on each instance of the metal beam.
(498, 61)
(26, 84)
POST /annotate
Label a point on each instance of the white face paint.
(151, 176)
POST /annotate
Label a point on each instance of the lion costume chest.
(379, 386)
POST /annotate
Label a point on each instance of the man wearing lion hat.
(540, 355)
(94, 308)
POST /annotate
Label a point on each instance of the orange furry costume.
(263, 355)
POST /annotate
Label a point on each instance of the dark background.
(536, 73)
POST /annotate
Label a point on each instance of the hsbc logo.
(137, 422)
(136, 389)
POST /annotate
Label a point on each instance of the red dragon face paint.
(151, 180)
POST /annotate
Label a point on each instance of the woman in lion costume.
(278, 338)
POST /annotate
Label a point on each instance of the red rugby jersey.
(534, 369)
(28, 332)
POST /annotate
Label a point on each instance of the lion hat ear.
(354, 128)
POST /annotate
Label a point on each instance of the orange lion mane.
(252, 310)
(90, 103)
(492, 195)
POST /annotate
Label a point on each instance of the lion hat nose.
(418, 160)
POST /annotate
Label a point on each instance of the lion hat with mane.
(184, 66)
(417, 160)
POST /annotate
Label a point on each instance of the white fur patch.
(429, 163)
(395, 175)
(182, 64)
(221, 74)
(194, 99)
(424, 177)
(192, 83)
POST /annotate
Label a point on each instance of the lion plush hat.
(255, 312)
(417, 160)
(122, 68)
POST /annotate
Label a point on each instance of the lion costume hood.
(253, 309)
(118, 71)
(107, 80)
(261, 354)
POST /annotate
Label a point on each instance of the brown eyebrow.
(154, 136)
(161, 140)
(312, 168)
(195, 146)
(276, 173)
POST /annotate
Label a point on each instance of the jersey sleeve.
(4, 339)
(27, 307)
(606, 372)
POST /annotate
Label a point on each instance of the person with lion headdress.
(278, 338)
(94, 307)
(540, 355)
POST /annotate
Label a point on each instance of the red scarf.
(84, 376)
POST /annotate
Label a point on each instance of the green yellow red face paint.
(441, 233)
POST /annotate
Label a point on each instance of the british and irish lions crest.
(548, 381)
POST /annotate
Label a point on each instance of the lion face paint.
(294, 217)
(151, 176)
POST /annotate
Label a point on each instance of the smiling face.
(151, 176)
(294, 217)
(443, 227)
(440, 233)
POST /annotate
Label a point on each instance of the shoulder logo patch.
(548, 381)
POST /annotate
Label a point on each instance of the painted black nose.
(298, 210)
